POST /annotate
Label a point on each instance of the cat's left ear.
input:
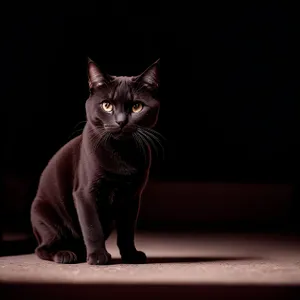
(95, 76)
(150, 77)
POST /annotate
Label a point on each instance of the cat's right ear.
(95, 76)
(150, 77)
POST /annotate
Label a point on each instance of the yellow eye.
(107, 106)
(137, 107)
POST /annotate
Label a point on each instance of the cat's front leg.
(91, 228)
(126, 215)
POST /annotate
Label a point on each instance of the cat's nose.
(121, 123)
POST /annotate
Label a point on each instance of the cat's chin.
(122, 135)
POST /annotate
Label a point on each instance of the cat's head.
(120, 104)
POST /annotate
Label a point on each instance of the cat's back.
(68, 154)
(62, 166)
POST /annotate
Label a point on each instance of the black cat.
(99, 176)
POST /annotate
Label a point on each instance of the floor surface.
(197, 264)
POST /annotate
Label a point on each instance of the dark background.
(229, 80)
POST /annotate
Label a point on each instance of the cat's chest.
(126, 163)
(109, 185)
(133, 157)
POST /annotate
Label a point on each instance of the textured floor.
(174, 259)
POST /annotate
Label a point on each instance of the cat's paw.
(65, 257)
(136, 257)
(99, 257)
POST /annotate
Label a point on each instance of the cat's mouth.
(118, 131)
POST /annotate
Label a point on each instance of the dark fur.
(99, 176)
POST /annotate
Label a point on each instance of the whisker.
(103, 139)
(159, 135)
(145, 143)
(97, 138)
(152, 139)
(78, 130)
(107, 138)
(140, 144)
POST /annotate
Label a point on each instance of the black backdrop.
(229, 84)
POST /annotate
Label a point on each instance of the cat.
(96, 180)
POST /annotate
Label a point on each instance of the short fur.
(99, 176)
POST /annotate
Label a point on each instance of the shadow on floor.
(190, 259)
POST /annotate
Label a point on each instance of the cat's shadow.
(189, 259)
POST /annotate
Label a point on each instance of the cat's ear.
(95, 76)
(150, 77)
